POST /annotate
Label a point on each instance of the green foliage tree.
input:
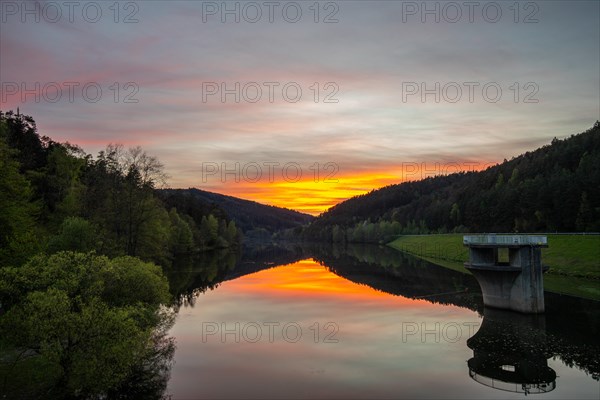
(21, 135)
(17, 237)
(76, 234)
(455, 214)
(337, 234)
(120, 197)
(209, 228)
(181, 240)
(232, 235)
(155, 234)
(89, 318)
(585, 216)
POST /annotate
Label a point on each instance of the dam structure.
(514, 283)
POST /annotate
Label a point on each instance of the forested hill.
(554, 188)
(55, 197)
(250, 216)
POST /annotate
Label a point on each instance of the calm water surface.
(368, 323)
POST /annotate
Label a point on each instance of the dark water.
(367, 322)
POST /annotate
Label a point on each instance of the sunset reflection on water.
(300, 331)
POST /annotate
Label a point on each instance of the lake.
(367, 322)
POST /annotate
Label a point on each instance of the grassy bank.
(574, 260)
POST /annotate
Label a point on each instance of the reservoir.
(367, 322)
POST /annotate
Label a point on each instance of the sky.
(304, 104)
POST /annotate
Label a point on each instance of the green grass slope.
(574, 260)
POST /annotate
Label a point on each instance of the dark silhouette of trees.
(554, 188)
(248, 215)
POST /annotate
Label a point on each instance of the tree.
(232, 233)
(337, 234)
(181, 240)
(21, 135)
(90, 319)
(76, 234)
(17, 237)
(209, 228)
(124, 181)
(62, 172)
(455, 214)
(149, 169)
(585, 216)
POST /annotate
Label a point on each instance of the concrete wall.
(518, 286)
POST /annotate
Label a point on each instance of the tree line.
(257, 221)
(56, 197)
(555, 188)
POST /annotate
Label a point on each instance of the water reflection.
(400, 274)
(372, 294)
(192, 275)
(510, 352)
(570, 325)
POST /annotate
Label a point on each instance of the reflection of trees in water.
(191, 276)
(572, 325)
(149, 377)
(391, 271)
(582, 355)
(28, 375)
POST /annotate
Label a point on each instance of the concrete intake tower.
(515, 284)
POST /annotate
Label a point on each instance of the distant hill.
(248, 215)
(554, 188)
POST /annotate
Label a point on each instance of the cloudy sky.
(253, 98)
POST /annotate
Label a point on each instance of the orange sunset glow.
(309, 279)
(314, 196)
